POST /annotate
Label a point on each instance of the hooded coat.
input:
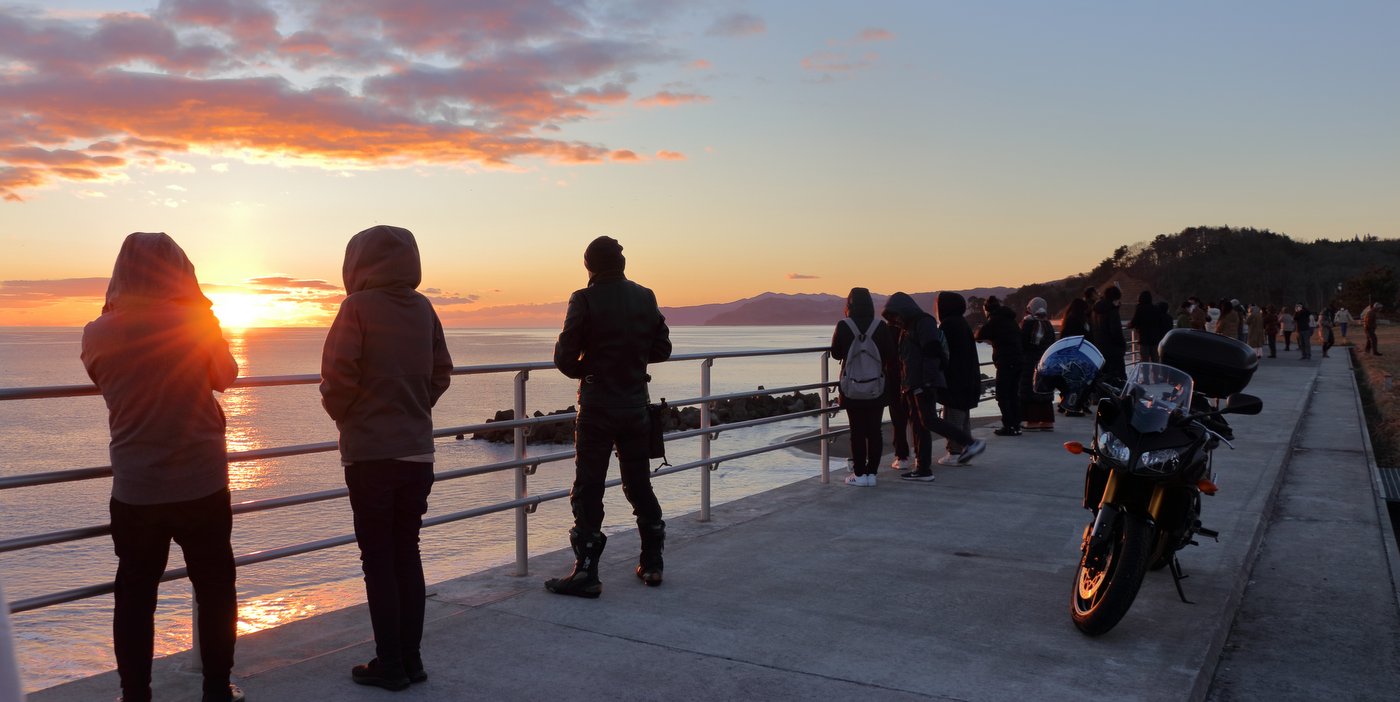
(1004, 335)
(158, 355)
(922, 349)
(612, 330)
(385, 362)
(860, 309)
(964, 371)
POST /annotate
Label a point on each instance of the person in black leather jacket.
(612, 330)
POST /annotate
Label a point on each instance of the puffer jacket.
(922, 348)
(612, 330)
(1002, 332)
(860, 309)
(385, 362)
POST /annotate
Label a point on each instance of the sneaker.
(855, 480)
(869, 480)
(1008, 431)
(379, 675)
(235, 694)
(973, 449)
(949, 459)
(900, 464)
(920, 476)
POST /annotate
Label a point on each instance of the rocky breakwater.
(675, 418)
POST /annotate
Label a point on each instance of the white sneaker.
(869, 480)
(855, 480)
(949, 459)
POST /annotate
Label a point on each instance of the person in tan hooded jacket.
(158, 355)
(384, 366)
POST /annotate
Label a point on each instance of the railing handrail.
(521, 463)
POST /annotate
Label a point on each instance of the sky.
(732, 147)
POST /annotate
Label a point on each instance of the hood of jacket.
(382, 257)
(152, 269)
(950, 304)
(860, 307)
(1038, 308)
(901, 310)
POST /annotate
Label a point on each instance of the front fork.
(1100, 533)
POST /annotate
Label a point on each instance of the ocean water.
(73, 640)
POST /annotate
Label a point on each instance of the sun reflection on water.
(265, 613)
(240, 405)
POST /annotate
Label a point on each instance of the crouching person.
(158, 355)
(384, 366)
(612, 330)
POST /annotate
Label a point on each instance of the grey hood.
(382, 257)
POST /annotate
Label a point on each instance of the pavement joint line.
(731, 659)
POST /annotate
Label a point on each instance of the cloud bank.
(330, 83)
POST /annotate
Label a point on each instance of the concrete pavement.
(954, 590)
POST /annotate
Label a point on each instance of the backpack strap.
(855, 329)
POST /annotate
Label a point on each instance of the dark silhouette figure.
(1002, 332)
(864, 414)
(1108, 333)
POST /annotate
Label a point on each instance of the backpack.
(862, 372)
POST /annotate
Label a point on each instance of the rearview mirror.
(1240, 403)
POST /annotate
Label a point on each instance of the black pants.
(596, 432)
(899, 422)
(1328, 340)
(142, 535)
(388, 499)
(1372, 344)
(924, 414)
(1287, 339)
(1305, 343)
(1009, 395)
(1273, 345)
(867, 444)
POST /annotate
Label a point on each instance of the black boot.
(583, 582)
(653, 542)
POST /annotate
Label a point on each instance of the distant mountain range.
(779, 309)
(766, 309)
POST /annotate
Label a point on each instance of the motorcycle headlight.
(1159, 461)
(1114, 449)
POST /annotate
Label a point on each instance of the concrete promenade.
(954, 590)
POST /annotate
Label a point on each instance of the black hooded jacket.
(860, 308)
(612, 330)
(964, 373)
(922, 348)
(1002, 332)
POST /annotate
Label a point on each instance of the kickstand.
(1177, 577)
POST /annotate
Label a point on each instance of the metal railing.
(522, 464)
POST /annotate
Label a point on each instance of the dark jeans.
(1273, 345)
(1287, 337)
(1372, 344)
(596, 432)
(1328, 340)
(899, 422)
(924, 414)
(142, 535)
(1305, 343)
(867, 444)
(1009, 395)
(389, 498)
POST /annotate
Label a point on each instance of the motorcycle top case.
(1219, 365)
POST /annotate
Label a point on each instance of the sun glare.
(236, 311)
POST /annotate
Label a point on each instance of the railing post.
(522, 527)
(705, 438)
(825, 420)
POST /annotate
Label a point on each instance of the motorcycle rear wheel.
(1101, 596)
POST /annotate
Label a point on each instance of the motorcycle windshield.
(1157, 391)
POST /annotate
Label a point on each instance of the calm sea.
(73, 640)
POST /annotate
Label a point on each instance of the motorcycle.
(1150, 461)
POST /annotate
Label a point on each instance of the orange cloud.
(666, 98)
(700, 65)
(625, 155)
(802, 276)
(836, 62)
(875, 34)
(665, 155)
(378, 83)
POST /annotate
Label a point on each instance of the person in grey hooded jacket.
(923, 352)
(384, 366)
(158, 355)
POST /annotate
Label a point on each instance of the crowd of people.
(930, 362)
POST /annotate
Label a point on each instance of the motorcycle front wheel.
(1103, 595)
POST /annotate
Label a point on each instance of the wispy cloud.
(739, 24)
(839, 62)
(667, 98)
(875, 34)
(366, 83)
(802, 276)
(33, 293)
(665, 155)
